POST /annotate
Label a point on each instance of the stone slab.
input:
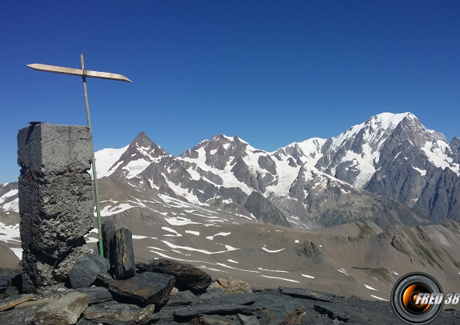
(306, 294)
(143, 289)
(64, 311)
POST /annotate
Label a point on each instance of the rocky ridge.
(225, 302)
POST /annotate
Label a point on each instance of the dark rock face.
(144, 289)
(124, 254)
(265, 211)
(55, 200)
(440, 198)
(188, 277)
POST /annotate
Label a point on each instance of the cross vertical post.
(93, 163)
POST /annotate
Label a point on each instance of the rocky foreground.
(166, 292)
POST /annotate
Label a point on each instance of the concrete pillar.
(56, 200)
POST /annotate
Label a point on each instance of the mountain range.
(389, 170)
(387, 181)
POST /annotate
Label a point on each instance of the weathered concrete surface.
(49, 148)
(55, 200)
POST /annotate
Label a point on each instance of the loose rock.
(333, 313)
(143, 289)
(188, 277)
(231, 286)
(304, 293)
(96, 294)
(64, 311)
(83, 273)
(115, 313)
(248, 320)
(124, 266)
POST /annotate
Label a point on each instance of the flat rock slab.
(183, 298)
(96, 294)
(246, 299)
(114, 313)
(15, 300)
(248, 320)
(193, 311)
(64, 311)
(36, 303)
(215, 320)
(275, 306)
(143, 289)
(306, 294)
(333, 313)
(188, 277)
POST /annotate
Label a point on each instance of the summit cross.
(84, 74)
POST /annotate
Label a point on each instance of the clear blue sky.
(271, 72)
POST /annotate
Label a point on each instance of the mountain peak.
(143, 140)
(146, 147)
(225, 138)
(387, 120)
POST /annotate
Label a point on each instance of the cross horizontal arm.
(78, 72)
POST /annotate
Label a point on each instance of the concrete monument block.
(54, 148)
(56, 200)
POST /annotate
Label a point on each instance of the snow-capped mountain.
(389, 169)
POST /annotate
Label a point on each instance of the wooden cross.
(93, 74)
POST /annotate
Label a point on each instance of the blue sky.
(271, 72)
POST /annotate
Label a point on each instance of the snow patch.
(278, 278)
(12, 206)
(171, 230)
(370, 288)
(105, 160)
(421, 171)
(375, 297)
(273, 251)
(218, 234)
(276, 271)
(180, 221)
(10, 233)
